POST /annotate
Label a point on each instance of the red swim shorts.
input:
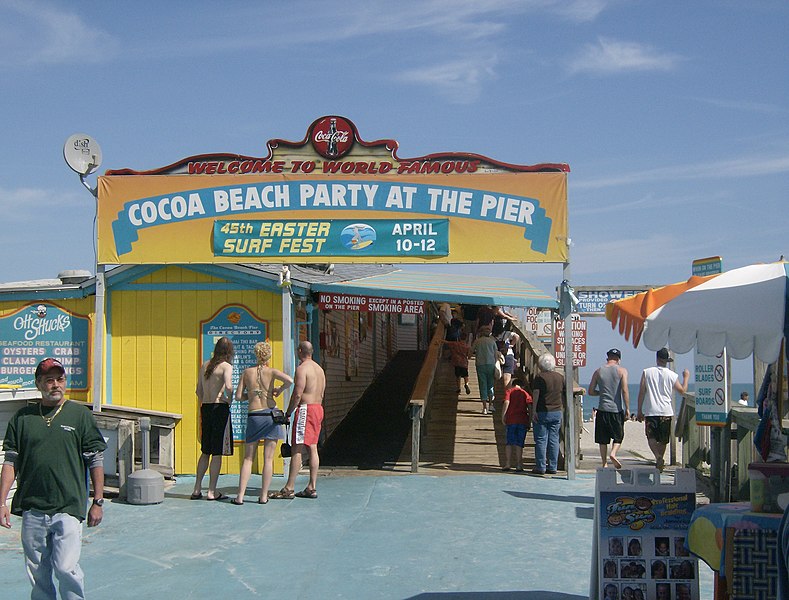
(307, 424)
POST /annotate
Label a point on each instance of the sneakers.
(484, 411)
(468, 389)
(550, 471)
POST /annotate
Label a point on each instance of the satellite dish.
(82, 153)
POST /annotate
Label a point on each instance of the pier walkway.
(459, 529)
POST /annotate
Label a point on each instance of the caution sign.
(578, 341)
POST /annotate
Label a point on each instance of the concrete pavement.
(498, 536)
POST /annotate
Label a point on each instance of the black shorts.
(609, 426)
(215, 423)
(461, 372)
(658, 429)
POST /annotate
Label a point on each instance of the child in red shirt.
(516, 417)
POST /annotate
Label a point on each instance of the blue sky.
(673, 116)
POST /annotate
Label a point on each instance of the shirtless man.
(215, 392)
(306, 406)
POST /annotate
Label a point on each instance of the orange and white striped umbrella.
(745, 311)
(631, 312)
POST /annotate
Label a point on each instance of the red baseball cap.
(47, 365)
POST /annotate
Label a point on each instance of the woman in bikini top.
(259, 380)
(257, 384)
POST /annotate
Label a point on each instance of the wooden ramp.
(458, 436)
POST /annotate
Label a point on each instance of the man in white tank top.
(655, 406)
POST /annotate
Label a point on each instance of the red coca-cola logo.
(332, 137)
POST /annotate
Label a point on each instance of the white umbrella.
(744, 310)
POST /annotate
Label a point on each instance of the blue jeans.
(486, 379)
(52, 544)
(546, 439)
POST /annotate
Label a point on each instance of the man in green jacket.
(49, 447)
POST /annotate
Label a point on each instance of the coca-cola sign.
(332, 137)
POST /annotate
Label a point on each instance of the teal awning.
(465, 289)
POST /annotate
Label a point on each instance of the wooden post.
(744, 457)
(725, 463)
(416, 433)
(125, 455)
(715, 463)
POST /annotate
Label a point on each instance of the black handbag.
(284, 450)
(279, 417)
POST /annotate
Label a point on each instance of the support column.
(287, 342)
(569, 403)
(99, 326)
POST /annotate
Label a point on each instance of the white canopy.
(743, 310)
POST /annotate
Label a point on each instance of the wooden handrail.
(418, 404)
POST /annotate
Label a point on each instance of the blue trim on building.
(470, 297)
(178, 287)
(249, 280)
(40, 295)
(117, 277)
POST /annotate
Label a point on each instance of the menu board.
(40, 330)
(641, 525)
(245, 330)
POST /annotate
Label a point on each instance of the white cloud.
(619, 258)
(461, 81)
(748, 166)
(758, 107)
(610, 56)
(25, 205)
(467, 18)
(38, 33)
(582, 11)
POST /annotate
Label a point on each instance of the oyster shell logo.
(358, 236)
(332, 137)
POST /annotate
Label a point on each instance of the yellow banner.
(493, 217)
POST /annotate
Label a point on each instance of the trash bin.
(145, 486)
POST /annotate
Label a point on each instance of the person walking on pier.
(458, 355)
(516, 417)
(655, 407)
(548, 391)
(609, 383)
(486, 351)
(49, 448)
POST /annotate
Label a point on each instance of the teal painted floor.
(499, 536)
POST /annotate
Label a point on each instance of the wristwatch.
(98, 502)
